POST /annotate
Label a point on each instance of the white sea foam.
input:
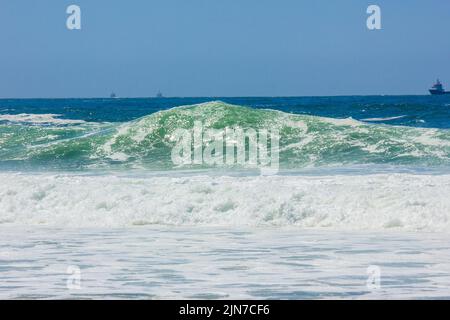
(342, 121)
(49, 118)
(339, 202)
(429, 138)
(383, 119)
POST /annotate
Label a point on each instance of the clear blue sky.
(222, 48)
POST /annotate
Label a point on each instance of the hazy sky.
(222, 48)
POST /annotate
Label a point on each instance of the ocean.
(89, 191)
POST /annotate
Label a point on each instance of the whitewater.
(90, 184)
(374, 202)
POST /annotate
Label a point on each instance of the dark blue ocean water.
(416, 111)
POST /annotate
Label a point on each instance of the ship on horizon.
(438, 89)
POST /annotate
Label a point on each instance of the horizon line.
(199, 97)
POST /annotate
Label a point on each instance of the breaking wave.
(34, 141)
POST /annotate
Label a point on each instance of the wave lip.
(384, 119)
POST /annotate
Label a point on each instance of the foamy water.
(224, 237)
(220, 263)
(38, 119)
(401, 201)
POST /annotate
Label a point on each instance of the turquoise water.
(123, 134)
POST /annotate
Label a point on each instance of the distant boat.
(438, 89)
(159, 95)
(113, 95)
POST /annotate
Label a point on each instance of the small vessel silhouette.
(438, 89)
